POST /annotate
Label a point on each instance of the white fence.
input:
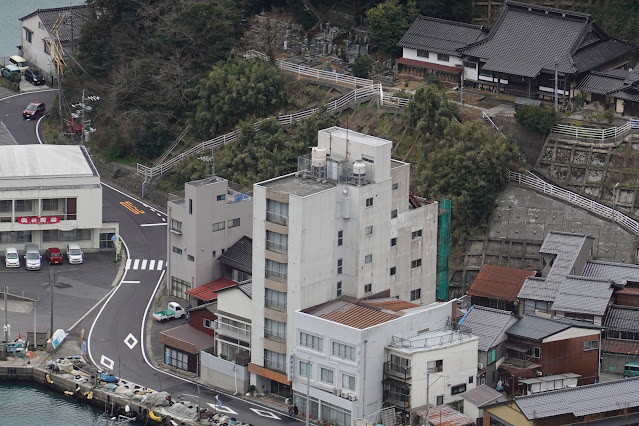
(592, 134)
(298, 69)
(575, 199)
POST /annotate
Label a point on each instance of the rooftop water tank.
(359, 169)
(318, 157)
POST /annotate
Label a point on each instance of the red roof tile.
(353, 312)
(208, 291)
(429, 65)
(497, 282)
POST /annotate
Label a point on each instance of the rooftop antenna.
(211, 160)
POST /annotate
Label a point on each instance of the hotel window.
(234, 222)
(339, 266)
(277, 212)
(275, 329)
(348, 382)
(311, 342)
(276, 241)
(276, 271)
(340, 237)
(274, 299)
(326, 375)
(343, 351)
(369, 231)
(369, 202)
(339, 288)
(417, 263)
(306, 369)
(274, 360)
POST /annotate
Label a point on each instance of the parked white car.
(11, 258)
(74, 253)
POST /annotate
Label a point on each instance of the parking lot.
(77, 288)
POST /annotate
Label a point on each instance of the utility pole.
(51, 289)
(556, 84)
(461, 89)
(308, 395)
(427, 396)
(6, 324)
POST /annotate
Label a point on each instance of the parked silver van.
(11, 258)
(74, 253)
(32, 257)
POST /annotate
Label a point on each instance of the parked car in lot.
(11, 73)
(32, 257)
(34, 110)
(19, 62)
(174, 311)
(11, 258)
(53, 255)
(74, 253)
(34, 76)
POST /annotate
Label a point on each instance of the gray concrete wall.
(220, 373)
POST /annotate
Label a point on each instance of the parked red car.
(53, 255)
(34, 110)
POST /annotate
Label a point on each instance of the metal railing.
(397, 370)
(281, 335)
(275, 275)
(447, 338)
(277, 218)
(228, 329)
(397, 398)
(298, 69)
(173, 145)
(489, 120)
(578, 200)
(590, 134)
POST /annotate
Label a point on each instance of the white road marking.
(222, 408)
(128, 264)
(107, 362)
(154, 224)
(143, 264)
(130, 341)
(160, 262)
(265, 413)
(131, 282)
(136, 263)
(151, 264)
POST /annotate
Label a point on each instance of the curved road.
(116, 336)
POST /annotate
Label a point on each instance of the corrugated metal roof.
(536, 328)
(208, 291)
(392, 304)
(353, 312)
(74, 16)
(622, 318)
(537, 288)
(440, 35)
(38, 161)
(487, 324)
(583, 295)
(239, 256)
(497, 282)
(481, 395)
(628, 347)
(582, 400)
(616, 272)
(194, 339)
(443, 415)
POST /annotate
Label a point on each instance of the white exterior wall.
(34, 52)
(368, 368)
(235, 301)
(197, 238)
(259, 246)
(453, 61)
(459, 365)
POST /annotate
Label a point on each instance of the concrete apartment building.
(343, 225)
(51, 195)
(210, 218)
(340, 352)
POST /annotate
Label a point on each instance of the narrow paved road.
(115, 339)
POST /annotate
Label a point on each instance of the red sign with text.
(38, 220)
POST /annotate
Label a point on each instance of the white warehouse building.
(51, 195)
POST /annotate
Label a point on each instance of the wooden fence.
(540, 185)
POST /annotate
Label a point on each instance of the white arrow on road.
(222, 409)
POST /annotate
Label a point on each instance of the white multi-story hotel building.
(343, 225)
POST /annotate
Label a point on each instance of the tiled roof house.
(497, 287)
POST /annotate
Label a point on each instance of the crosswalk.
(144, 264)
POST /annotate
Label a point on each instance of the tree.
(151, 143)
(468, 165)
(234, 89)
(361, 66)
(387, 23)
(255, 156)
(428, 115)
(306, 130)
(538, 118)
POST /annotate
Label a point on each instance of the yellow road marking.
(129, 206)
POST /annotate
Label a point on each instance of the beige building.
(212, 216)
(343, 225)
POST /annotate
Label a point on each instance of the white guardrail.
(592, 134)
(578, 200)
(364, 88)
